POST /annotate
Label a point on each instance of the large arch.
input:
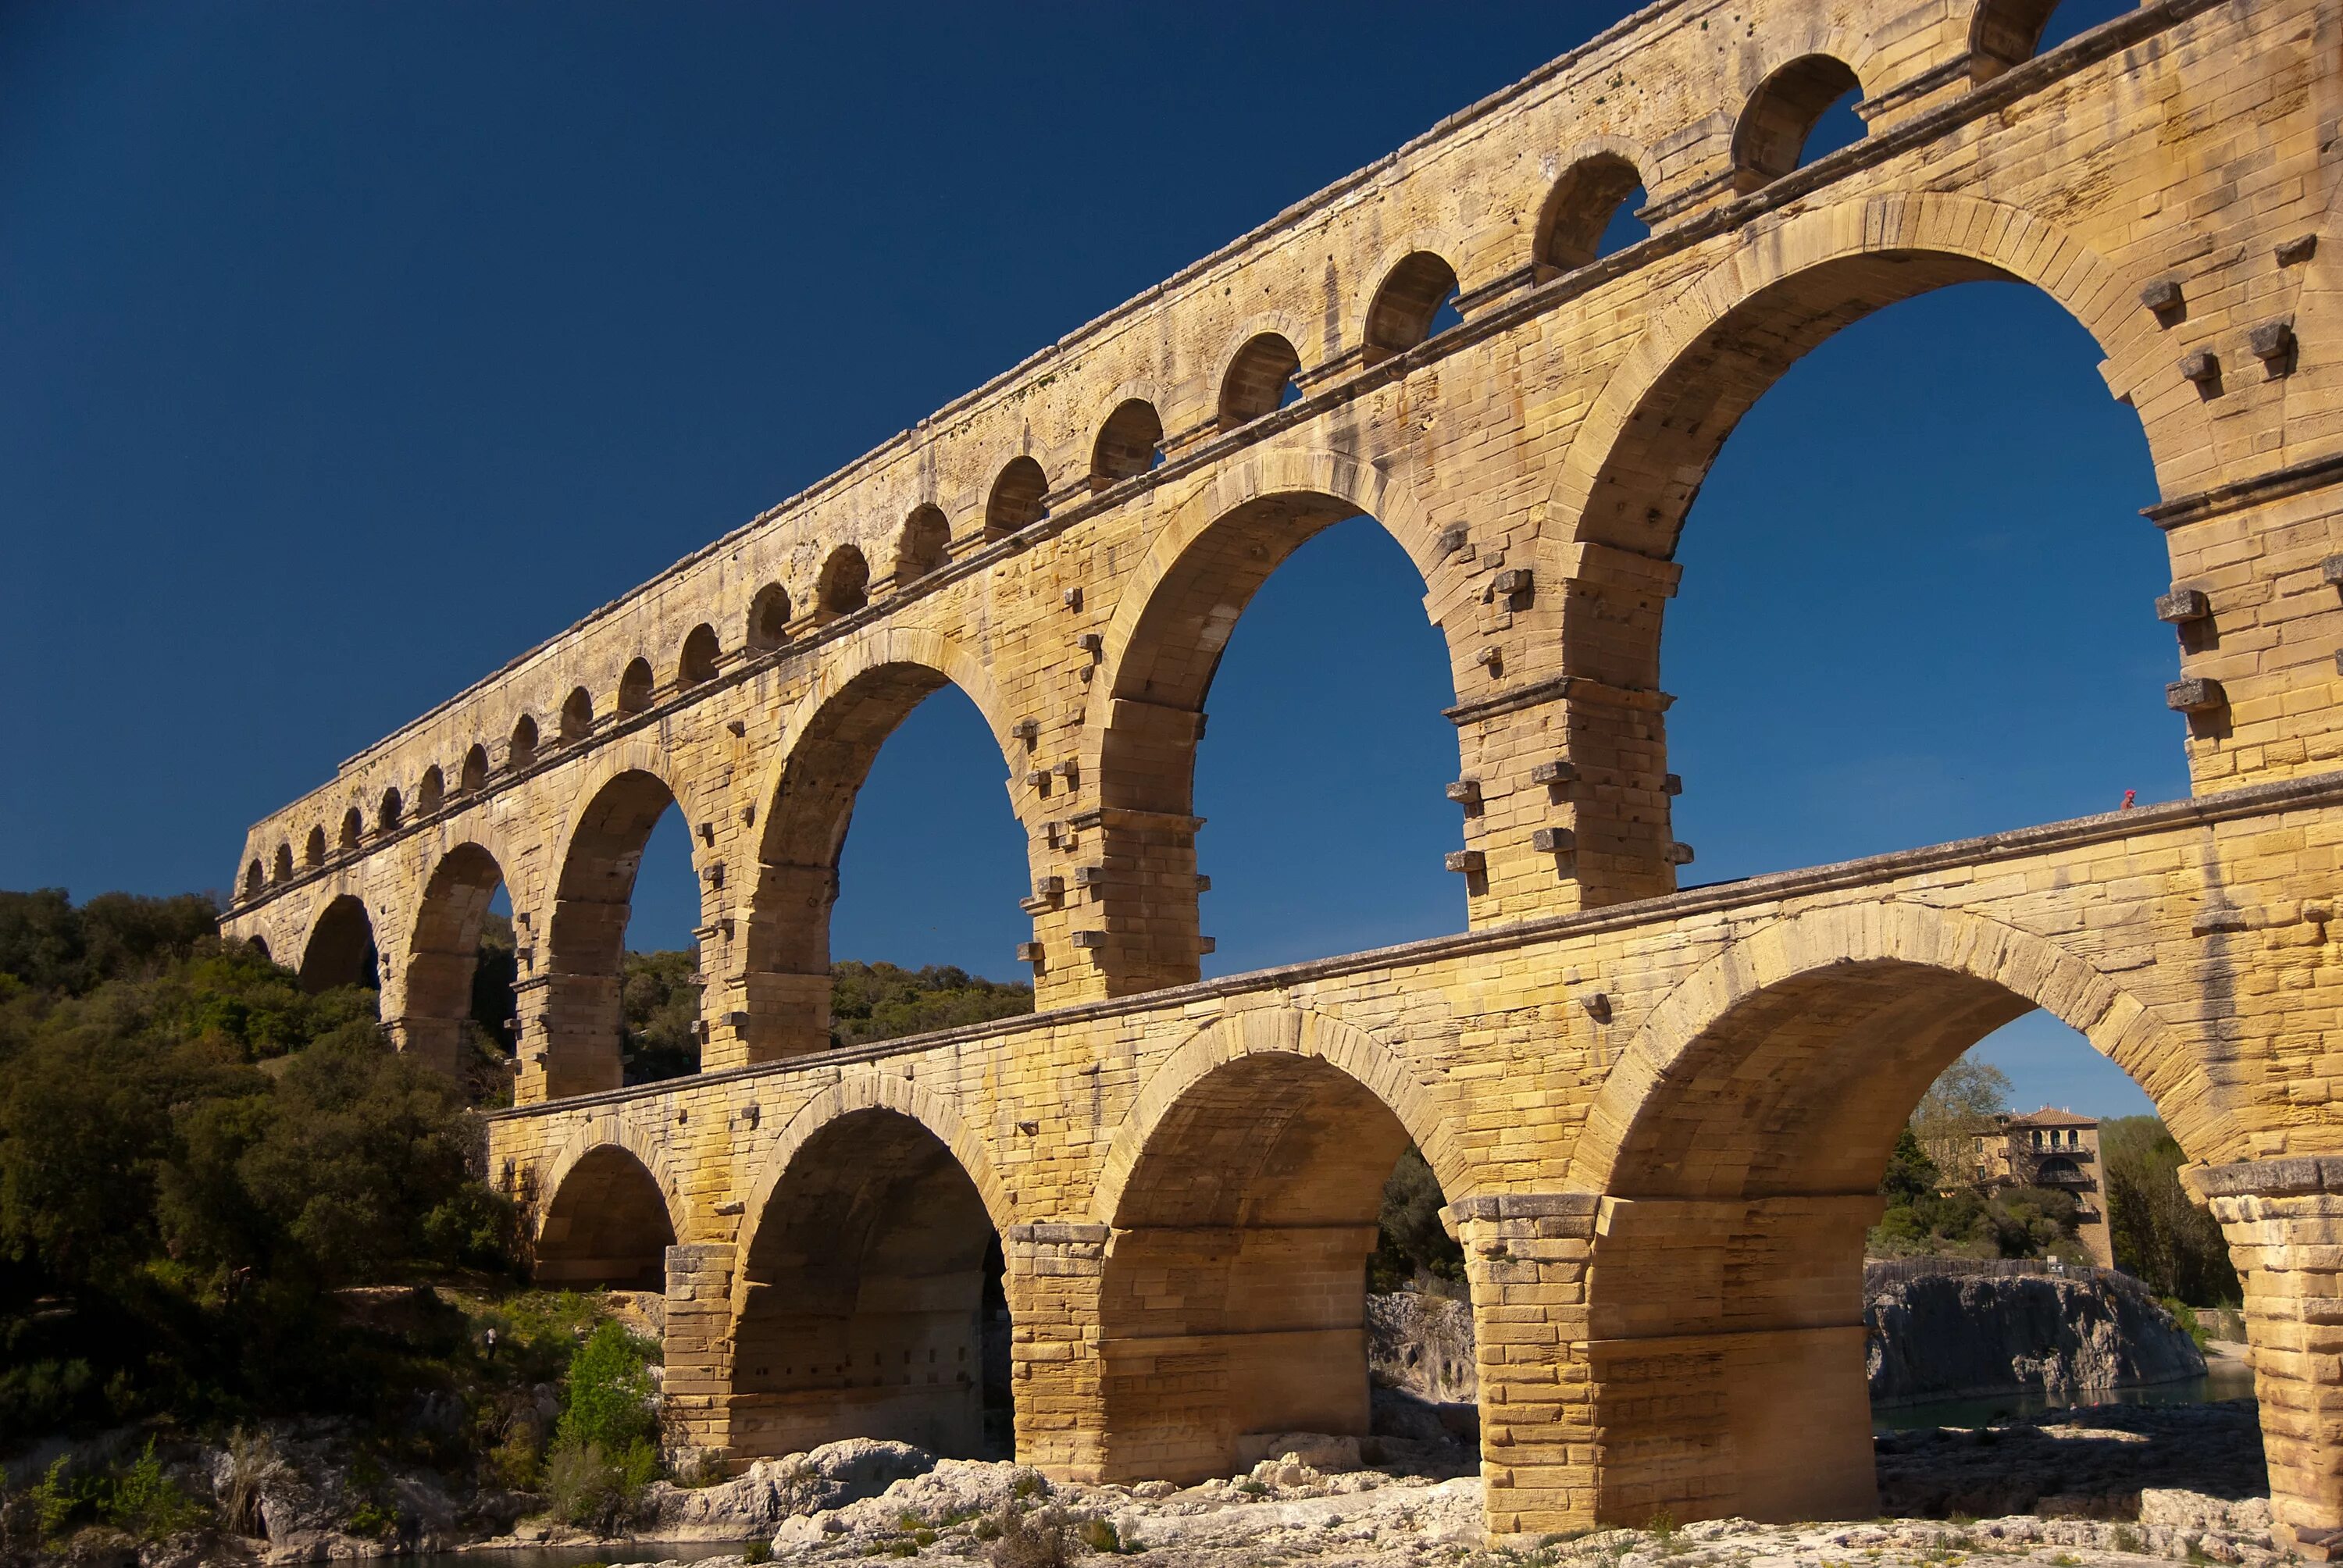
(612, 1209)
(805, 806)
(868, 1302)
(572, 1010)
(1242, 1199)
(341, 947)
(442, 951)
(1739, 1144)
(1158, 657)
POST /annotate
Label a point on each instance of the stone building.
(1659, 1113)
(2059, 1151)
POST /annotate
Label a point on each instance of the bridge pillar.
(697, 1387)
(1129, 897)
(1054, 1275)
(436, 1042)
(2284, 1222)
(1724, 1344)
(1526, 1255)
(569, 1037)
(772, 1000)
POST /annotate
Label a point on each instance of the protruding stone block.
(2194, 694)
(2201, 367)
(1090, 938)
(1465, 792)
(1553, 841)
(1679, 854)
(2163, 296)
(2183, 605)
(1467, 861)
(1554, 770)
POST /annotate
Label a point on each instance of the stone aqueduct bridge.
(1659, 1115)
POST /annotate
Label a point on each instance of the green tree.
(1959, 1107)
(2160, 1235)
(1409, 1240)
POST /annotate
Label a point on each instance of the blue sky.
(346, 351)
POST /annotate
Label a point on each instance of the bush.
(587, 1487)
(1030, 1540)
(612, 1403)
(145, 1502)
(2184, 1317)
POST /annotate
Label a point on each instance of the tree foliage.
(2172, 1245)
(1959, 1107)
(882, 1002)
(1411, 1243)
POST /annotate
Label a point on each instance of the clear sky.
(347, 350)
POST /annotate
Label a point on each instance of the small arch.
(312, 852)
(1259, 380)
(1016, 499)
(635, 687)
(577, 715)
(697, 663)
(2007, 33)
(253, 878)
(432, 791)
(475, 775)
(281, 868)
(1770, 140)
(1584, 204)
(1404, 308)
(926, 544)
(845, 585)
(387, 816)
(258, 945)
(769, 617)
(353, 828)
(1129, 443)
(521, 749)
(606, 1223)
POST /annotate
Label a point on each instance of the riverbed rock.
(1953, 1335)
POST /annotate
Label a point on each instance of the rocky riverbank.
(1958, 1335)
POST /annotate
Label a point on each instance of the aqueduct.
(1615, 1080)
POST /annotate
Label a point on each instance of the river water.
(566, 1557)
(2226, 1379)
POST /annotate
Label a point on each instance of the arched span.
(1287, 1032)
(339, 948)
(806, 799)
(646, 1146)
(868, 1288)
(442, 949)
(1963, 964)
(872, 1091)
(1637, 460)
(612, 1209)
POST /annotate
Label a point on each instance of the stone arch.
(844, 585)
(577, 715)
(1240, 1199)
(1129, 443)
(1018, 499)
(924, 545)
(625, 791)
(1259, 371)
(442, 949)
(388, 813)
(611, 1208)
(1636, 463)
(255, 878)
(768, 618)
(1584, 200)
(339, 948)
(805, 805)
(353, 828)
(1769, 137)
(520, 748)
(863, 1287)
(431, 792)
(1738, 1146)
(1406, 299)
(313, 851)
(474, 776)
(637, 686)
(696, 663)
(2006, 33)
(281, 864)
(1295, 1032)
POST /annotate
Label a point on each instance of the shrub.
(587, 1487)
(1030, 1540)
(2184, 1317)
(610, 1402)
(1100, 1536)
(757, 1551)
(143, 1501)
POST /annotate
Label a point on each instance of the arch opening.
(1234, 1297)
(474, 777)
(577, 716)
(1259, 380)
(520, 750)
(915, 841)
(341, 948)
(281, 867)
(1802, 111)
(1129, 444)
(1018, 499)
(697, 663)
(313, 851)
(1348, 625)
(635, 686)
(872, 1301)
(1725, 1294)
(1589, 215)
(455, 937)
(845, 584)
(607, 1225)
(432, 791)
(353, 828)
(926, 545)
(388, 813)
(254, 878)
(588, 1008)
(1408, 307)
(2008, 33)
(768, 618)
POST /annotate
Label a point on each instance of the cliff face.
(1421, 1345)
(1949, 1336)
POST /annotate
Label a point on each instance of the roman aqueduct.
(1618, 1083)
